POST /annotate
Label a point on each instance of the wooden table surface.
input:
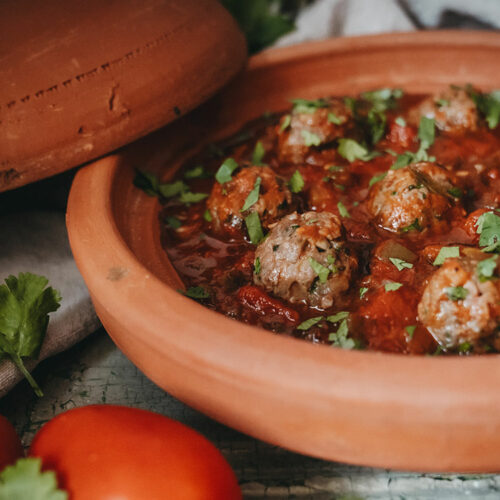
(95, 371)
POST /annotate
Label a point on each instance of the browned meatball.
(305, 259)
(453, 111)
(311, 126)
(227, 200)
(457, 306)
(411, 198)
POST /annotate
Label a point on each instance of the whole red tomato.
(10, 444)
(108, 452)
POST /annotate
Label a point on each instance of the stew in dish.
(368, 222)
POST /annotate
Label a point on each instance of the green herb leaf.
(225, 172)
(455, 192)
(335, 318)
(410, 330)
(253, 196)
(400, 263)
(258, 154)
(403, 160)
(351, 150)
(172, 222)
(254, 228)
(256, 265)
(400, 121)
(207, 215)
(465, 347)
(25, 304)
(362, 292)
(25, 480)
(340, 339)
(308, 323)
(446, 253)
(414, 226)
(308, 106)
(383, 99)
(188, 197)
(321, 271)
(488, 105)
(377, 178)
(196, 292)
(285, 123)
(426, 132)
(296, 182)
(343, 210)
(310, 139)
(172, 189)
(488, 227)
(486, 268)
(456, 293)
(442, 103)
(195, 172)
(333, 118)
(146, 181)
(392, 286)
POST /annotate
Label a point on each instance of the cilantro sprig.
(25, 304)
(488, 227)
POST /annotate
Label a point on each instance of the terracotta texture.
(85, 78)
(420, 413)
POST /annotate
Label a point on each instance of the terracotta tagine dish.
(386, 410)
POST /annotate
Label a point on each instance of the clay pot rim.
(246, 353)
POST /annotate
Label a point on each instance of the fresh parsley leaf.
(456, 293)
(352, 150)
(296, 182)
(25, 304)
(207, 215)
(285, 122)
(321, 271)
(253, 196)
(258, 154)
(256, 265)
(195, 173)
(188, 197)
(254, 228)
(400, 121)
(382, 99)
(414, 226)
(465, 347)
(446, 253)
(146, 181)
(340, 339)
(486, 268)
(488, 227)
(225, 172)
(488, 105)
(377, 178)
(308, 106)
(441, 103)
(172, 189)
(335, 318)
(403, 160)
(308, 323)
(310, 139)
(362, 292)
(333, 118)
(456, 192)
(172, 222)
(426, 132)
(392, 286)
(25, 480)
(410, 330)
(400, 263)
(343, 210)
(196, 292)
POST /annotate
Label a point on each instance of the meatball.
(411, 198)
(310, 126)
(457, 306)
(453, 111)
(227, 200)
(305, 259)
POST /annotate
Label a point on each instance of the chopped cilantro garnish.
(465, 347)
(392, 286)
(322, 271)
(296, 182)
(310, 139)
(254, 228)
(442, 103)
(456, 293)
(400, 121)
(256, 265)
(195, 172)
(172, 222)
(146, 181)
(426, 132)
(188, 197)
(340, 339)
(446, 253)
(352, 150)
(195, 292)
(258, 153)
(400, 263)
(362, 292)
(486, 268)
(414, 226)
(410, 330)
(377, 178)
(488, 227)
(488, 105)
(455, 192)
(172, 189)
(343, 210)
(225, 171)
(403, 160)
(285, 123)
(308, 106)
(253, 196)
(383, 99)
(335, 318)
(308, 323)
(207, 215)
(333, 118)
